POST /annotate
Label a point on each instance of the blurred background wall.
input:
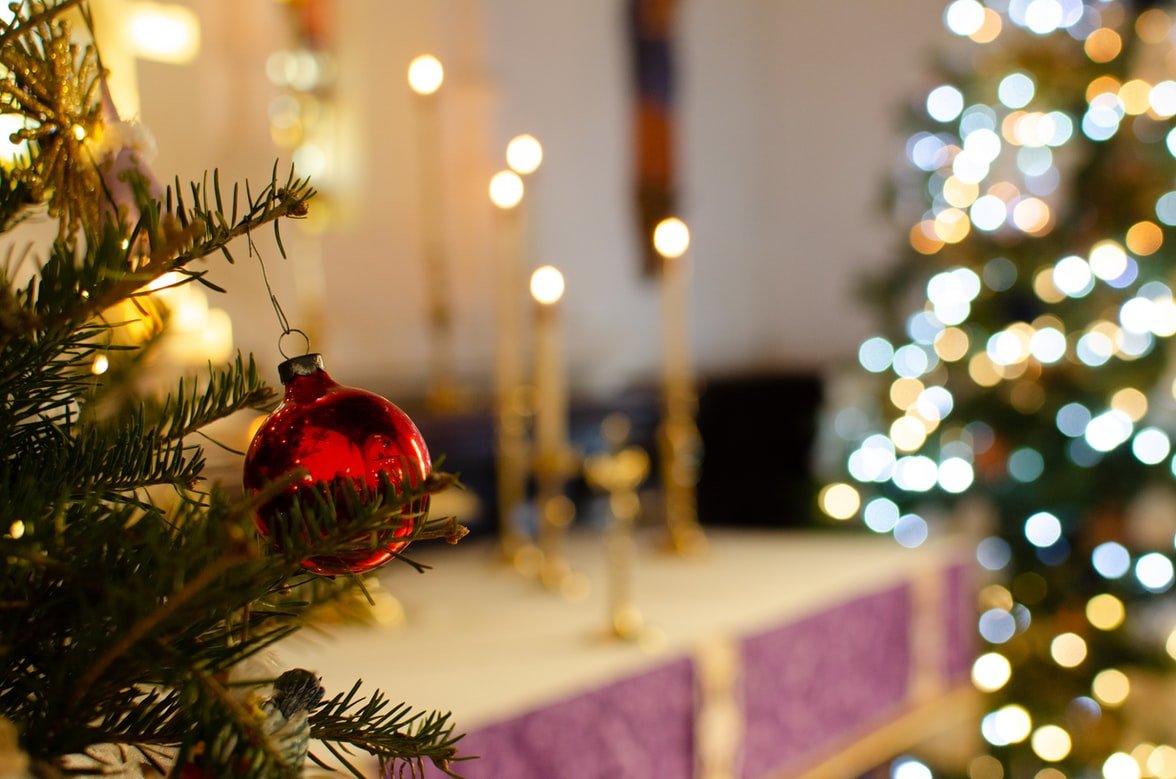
(788, 117)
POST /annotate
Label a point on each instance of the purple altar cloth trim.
(636, 728)
(959, 620)
(809, 684)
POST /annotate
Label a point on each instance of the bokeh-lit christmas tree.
(1025, 372)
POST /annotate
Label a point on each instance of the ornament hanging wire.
(283, 321)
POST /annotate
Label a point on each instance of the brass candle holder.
(619, 472)
(679, 444)
(511, 404)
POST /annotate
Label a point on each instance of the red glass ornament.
(334, 432)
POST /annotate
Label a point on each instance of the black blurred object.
(757, 438)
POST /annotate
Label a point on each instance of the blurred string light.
(990, 175)
(1011, 724)
(991, 671)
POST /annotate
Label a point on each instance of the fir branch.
(149, 622)
(196, 404)
(391, 733)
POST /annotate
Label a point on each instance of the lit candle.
(678, 437)
(671, 239)
(551, 405)
(506, 193)
(425, 76)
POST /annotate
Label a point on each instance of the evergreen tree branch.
(391, 733)
(149, 622)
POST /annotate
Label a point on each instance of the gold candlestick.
(678, 440)
(552, 454)
(425, 76)
(619, 472)
(510, 411)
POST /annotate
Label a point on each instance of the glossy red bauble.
(336, 432)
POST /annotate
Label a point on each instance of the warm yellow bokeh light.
(1162, 762)
(1049, 742)
(1135, 96)
(905, 392)
(907, 433)
(923, 238)
(506, 189)
(985, 767)
(1049, 773)
(995, 596)
(100, 365)
(1131, 402)
(671, 238)
(991, 671)
(16, 529)
(1102, 85)
(1107, 259)
(951, 344)
(1032, 216)
(989, 29)
(960, 194)
(425, 74)
(1111, 687)
(1105, 611)
(1013, 723)
(952, 225)
(524, 154)
(839, 500)
(1142, 752)
(1145, 238)
(1153, 26)
(1170, 644)
(163, 32)
(1068, 650)
(1121, 765)
(547, 285)
(982, 371)
(1103, 45)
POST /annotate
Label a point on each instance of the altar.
(777, 654)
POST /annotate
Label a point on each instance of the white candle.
(551, 404)
(671, 239)
(425, 75)
(506, 193)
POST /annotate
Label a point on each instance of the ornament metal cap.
(303, 365)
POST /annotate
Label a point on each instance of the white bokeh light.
(1043, 529)
(1108, 430)
(1111, 560)
(1151, 446)
(1048, 345)
(944, 103)
(1073, 277)
(1154, 571)
(955, 475)
(1015, 90)
(964, 17)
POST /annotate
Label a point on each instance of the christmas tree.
(134, 599)
(1025, 376)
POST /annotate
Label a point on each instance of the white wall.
(788, 125)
